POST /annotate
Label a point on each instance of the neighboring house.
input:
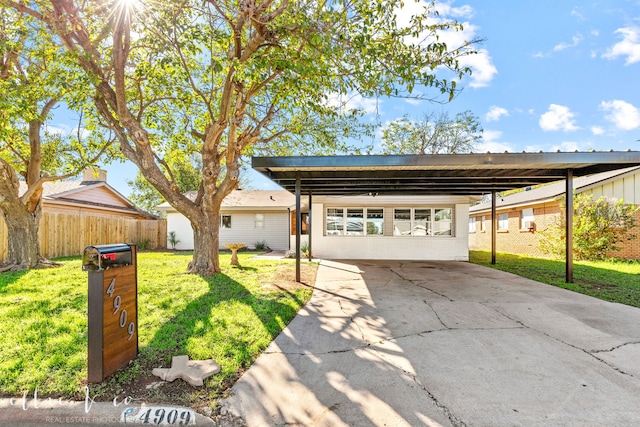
(76, 214)
(390, 227)
(246, 216)
(522, 215)
(91, 196)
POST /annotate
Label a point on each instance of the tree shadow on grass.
(228, 322)
(9, 277)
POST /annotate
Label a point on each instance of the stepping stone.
(192, 371)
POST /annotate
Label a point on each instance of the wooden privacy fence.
(64, 234)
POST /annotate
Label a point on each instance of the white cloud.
(413, 101)
(59, 129)
(445, 9)
(495, 113)
(575, 12)
(623, 115)
(566, 146)
(559, 117)
(490, 143)
(597, 130)
(354, 101)
(575, 41)
(629, 46)
(533, 148)
(483, 70)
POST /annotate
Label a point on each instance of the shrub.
(598, 225)
(173, 240)
(143, 244)
(304, 251)
(261, 246)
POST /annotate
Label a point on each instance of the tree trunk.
(206, 241)
(24, 248)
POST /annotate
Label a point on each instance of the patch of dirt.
(595, 286)
(284, 278)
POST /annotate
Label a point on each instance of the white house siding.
(626, 188)
(453, 248)
(304, 240)
(275, 232)
(182, 227)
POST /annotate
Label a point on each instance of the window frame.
(368, 219)
(344, 230)
(472, 224)
(431, 224)
(503, 218)
(524, 218)
(222, 221)
(258, 224)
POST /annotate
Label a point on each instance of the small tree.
(598, 226)
(173, 240)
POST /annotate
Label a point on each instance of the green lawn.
(615, 281)
(230, 317)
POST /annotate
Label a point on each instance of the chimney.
(94, 175)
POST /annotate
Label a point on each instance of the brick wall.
(524, 242)
(630, 248)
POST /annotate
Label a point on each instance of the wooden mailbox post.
(113, 308)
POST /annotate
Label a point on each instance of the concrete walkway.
(445, 343)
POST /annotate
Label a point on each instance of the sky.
(549, 75)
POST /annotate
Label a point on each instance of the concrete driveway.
(445, 343)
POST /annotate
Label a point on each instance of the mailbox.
(101, 257)
(112, 309)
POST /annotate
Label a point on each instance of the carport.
(441, 174)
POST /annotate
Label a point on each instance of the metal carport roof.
(454, 174)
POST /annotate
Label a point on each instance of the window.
(422, 222)
(483, 223)
(375, 222)
(526, 218)
(258, 221)
(442, 225)
(335, 221)
(503, 221)
(402, 222)
(472, 224)
(225, 221)
(355, 222)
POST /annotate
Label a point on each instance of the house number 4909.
(117, 303)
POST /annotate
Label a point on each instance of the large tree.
(224, 78)
(33, 80)
(434, 133)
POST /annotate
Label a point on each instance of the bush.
(304, 251)
(598, 225)
(261, 246)
(143, 244)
